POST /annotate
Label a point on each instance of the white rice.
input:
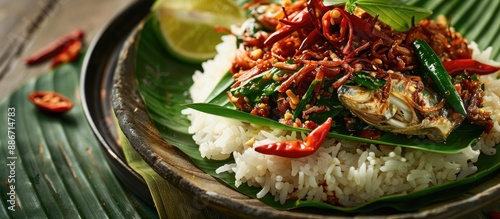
(339, 171)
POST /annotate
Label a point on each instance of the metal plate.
(96, 87)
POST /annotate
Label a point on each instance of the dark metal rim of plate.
(95, 87)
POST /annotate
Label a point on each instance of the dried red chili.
(69, 54)
(297, 148)
(54, 47)
(458, 66)
(298, 21)
(50, 102)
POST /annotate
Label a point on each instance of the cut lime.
(188, 26)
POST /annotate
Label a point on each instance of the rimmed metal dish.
(96, 86)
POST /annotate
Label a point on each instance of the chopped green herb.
(350, 6)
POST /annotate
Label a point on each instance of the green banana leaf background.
(164, 97)
(60, 169)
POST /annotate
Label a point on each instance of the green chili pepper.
(432, 68)
(368, 81)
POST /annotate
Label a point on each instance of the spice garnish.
(55, 47)
(297, 148)
(68, 54)
(50, 102)
(471, 66)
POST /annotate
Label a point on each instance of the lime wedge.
(188, 26)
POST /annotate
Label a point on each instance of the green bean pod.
(431, 67)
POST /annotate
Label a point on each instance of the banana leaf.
(163, 81)
(463, 136)
(60, 169)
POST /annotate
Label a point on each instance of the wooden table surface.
(28, 25)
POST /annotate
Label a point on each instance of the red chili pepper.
(55, 47)
(50, 102)
(365, 28)
(69, 54)
(297, 148)
(316, 10)
(472, 66)
(310, 40)
(298, 21)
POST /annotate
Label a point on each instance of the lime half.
(188, 26)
